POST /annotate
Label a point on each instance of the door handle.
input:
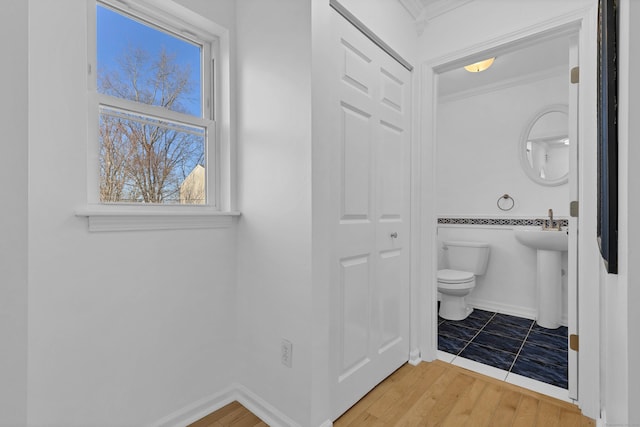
(394, 235)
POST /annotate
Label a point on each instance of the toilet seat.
(453, 277)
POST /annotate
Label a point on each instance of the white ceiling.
(513, 63)
(539, 59)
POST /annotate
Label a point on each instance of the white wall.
(222, 12)
(13, 226)
(478, 143)
(321, 213)
(120, 333)
(621, 349)
(274, 195)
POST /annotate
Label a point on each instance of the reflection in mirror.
(544, 150)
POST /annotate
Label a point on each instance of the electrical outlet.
(286, 353)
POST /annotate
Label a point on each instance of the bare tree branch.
(144, 159)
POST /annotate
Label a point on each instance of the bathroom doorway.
(479, 124)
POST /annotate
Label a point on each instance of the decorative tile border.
(499, 221)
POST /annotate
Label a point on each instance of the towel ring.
(505, 202)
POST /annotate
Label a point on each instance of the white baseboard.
(513, 310)
(197, 410)
(414, 357)
(602, 420)
(262, 409)
(237, 392)
(564, 321)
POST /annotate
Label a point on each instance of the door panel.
(370, 235)
(356, 312)
(390, 174)
(390, 265)
(356, 158)
(356, 68)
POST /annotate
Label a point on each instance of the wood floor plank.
(425, 377)
(587, 422)
(506, 410)
(209, 420)
(396, 393)
(526, 412)
(423, 381)
(423, 406)
(248, 420)
(483, 411)
(373, 396)
(548, 415)
(436, 394)
(402, 395)
(366, 419)
(385, 403)
(231, 415)
(447, 400)
(461, 411)
(569, 419)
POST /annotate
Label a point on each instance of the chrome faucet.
(548, 224)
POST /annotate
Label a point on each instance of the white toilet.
(465, 261)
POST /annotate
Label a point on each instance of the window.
(156, 159)
(155, 124)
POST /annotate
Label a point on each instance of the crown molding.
(436, 8)
(505, 84)
(414, 7)
(423, 13)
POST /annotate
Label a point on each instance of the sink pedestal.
(549, 246)
(549, 284)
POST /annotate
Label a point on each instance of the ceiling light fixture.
(479, 66)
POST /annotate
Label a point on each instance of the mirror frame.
(522, 147)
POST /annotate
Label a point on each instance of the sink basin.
(547, 240)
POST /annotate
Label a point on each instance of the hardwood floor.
(440, 394)
(232, 415)
(436, 394)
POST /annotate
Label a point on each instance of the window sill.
(136, 218)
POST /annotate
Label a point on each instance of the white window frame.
(218, 210)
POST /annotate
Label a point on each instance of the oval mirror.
(544, 146)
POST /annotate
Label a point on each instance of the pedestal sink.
(549, 245)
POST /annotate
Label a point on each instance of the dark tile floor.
(509, 343)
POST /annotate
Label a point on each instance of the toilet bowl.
(465, 261)
(453, 286)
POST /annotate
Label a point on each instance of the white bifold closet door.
(370, 295)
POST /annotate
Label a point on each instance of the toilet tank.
(467, 256)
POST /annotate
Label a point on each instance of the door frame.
(424, 294)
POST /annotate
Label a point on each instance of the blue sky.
(117, 33)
